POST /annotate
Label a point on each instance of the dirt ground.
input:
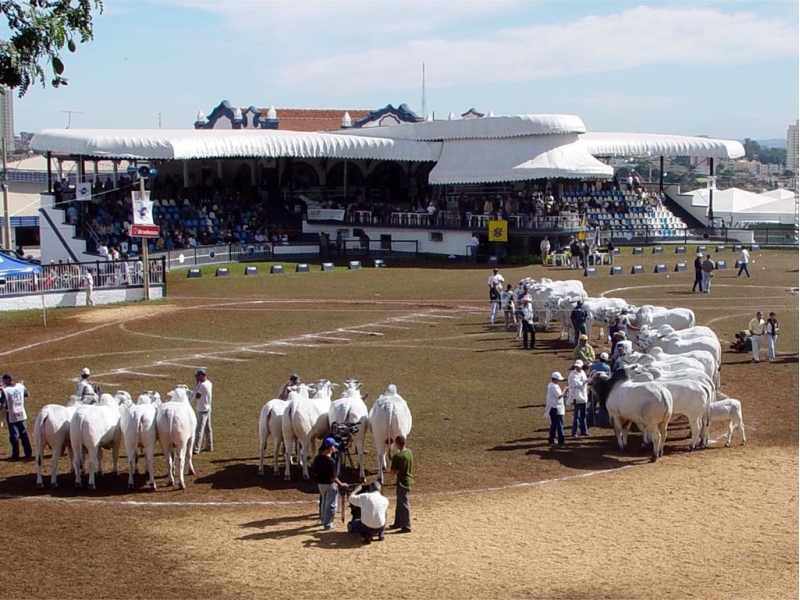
(497, 513)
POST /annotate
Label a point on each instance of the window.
(436, 236)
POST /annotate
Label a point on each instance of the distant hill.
(772, 143)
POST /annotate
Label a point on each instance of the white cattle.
(691, 358)
(304, 419)
(138, 423)
(692, 394)
(686, 334)
(648, 404)
(351, 409)
(95, 427)
(388, 418)
(176, 424)
(655, 316)
(597, 310)
(546, 293)
(270, 423)
(51, 428)
(673, 344)
(729, 410)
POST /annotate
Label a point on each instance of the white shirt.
(757, 326)
(545, 246)
(15, 402)
(577, 386)
(204, 401)
(83, 388)
(496, 280)
(507, 300)
(89, 279)
(554, 399)
(474, 241)
(373, 507)
(744, 257)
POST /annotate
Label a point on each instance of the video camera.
(342, 432)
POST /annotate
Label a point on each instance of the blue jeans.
(556, 426)
(329, 501)
(473, 254)
(771, 339)
(706, 281)
(579, 418)
(16, 432)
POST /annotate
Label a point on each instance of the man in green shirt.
(583, 351)
(402, 463)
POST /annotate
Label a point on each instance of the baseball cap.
(294, 377)
(578, 363)
(556, 375)
(200, 372)
(7, 376)
(328, 442)
(85, 372)
(583, 337)
(604, 356)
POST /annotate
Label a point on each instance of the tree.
(38, 31)
(751, 149)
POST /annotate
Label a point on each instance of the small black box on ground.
(615, 271)
(301, 268)
(638, 250)
(637, 270)
(276, 269)
(658, 250)
(680, 267)
(354, 265)
(719, 249)
(194, 273)
(680, 249)
(702, 249)
(755, 248)
(379, 263)
(660, 269)
(590, 272)
(737, 248)
(251, 270)
(327, 266)
(222, 272)
(721, 264)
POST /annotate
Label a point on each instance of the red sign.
(145, 231)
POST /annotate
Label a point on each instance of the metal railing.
(72, 277)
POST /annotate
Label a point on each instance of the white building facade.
(792, 148)
(7, 118)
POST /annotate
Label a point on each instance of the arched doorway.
(304, 176)
(387, 183)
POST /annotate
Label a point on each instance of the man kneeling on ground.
(743, 342)
(373, 508)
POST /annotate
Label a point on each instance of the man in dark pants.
(402, 463)
(698, 273)
(578, 317)
(373, 508)
(12, 399)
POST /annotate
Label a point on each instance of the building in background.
(792, 148)
(7, 118)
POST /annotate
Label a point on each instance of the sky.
(724, 69)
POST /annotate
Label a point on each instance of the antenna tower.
(424, 113)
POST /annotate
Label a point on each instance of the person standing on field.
(772, 335)
(84, 387)
(402, 463)
(203, 394)
(88, 283)
(744, 260)
(758, 328)
(12, 400)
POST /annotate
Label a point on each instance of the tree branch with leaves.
(38, 32)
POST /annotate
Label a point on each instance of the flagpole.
(145, 249)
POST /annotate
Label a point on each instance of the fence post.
(163, 277)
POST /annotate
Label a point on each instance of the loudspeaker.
(194, 273)
(755, 248)
(251, 270)
(222, 272)
(658, 250)
(680, 249)
(680, 267)
(638, 250)
(721, 264)
(590, 272)
(301, 268)
(276, 269)
(660, 269)
(354, 265)
(327, 267)
(637, 270)
(616, 270)
(719, 249)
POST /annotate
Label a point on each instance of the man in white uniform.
(84, 386)
(89, 284)
(202, 393)
(12, 399)
(495, 283)
(374, 508)
(758, 328)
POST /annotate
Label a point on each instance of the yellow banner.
(498, 231)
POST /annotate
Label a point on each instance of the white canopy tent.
(736, 206)
(655, 144)
(779, 194)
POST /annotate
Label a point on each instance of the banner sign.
(83, 192)
(325, 214)
(711, 183)
(498, 231)
(142, 209)
(145, 231)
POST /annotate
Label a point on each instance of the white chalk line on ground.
(59, 339)
(235, 503)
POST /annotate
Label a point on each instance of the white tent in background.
(779, 194)
(735, 206)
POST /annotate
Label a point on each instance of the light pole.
(150, 173)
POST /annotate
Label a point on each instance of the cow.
(95, 427)
(270, 423)
(655, 316)
(51, 428)
(673, 344)
(139, 430)
(692, 393)
(388, 418)
(648, 404)
(351, 409)
(729, 410)
(176, 424)
(304, 418)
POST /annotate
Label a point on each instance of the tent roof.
(734, 200)
(10, 266)
(779, 194)
(182, 144)
(518, 159)
(24, 205)
(481, 128)
(654, 144)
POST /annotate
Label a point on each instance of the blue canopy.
(10, 266)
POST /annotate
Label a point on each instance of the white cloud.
(639, 37)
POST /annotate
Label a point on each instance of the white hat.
(604, 356)
(85, 372)
(578, 363)
(556, 375)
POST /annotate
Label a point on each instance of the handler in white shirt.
(495, 283)
(554, 408)
(374, 508)
(578, 398)
(202, 393)
(758, 328)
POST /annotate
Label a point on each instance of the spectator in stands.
(72, 214)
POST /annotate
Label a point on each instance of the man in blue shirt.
(600, 366)
(578, 317)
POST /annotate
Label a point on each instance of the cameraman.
(374, 508)
(324, 468)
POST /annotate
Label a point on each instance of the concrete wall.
(77, 298)
(55, 241)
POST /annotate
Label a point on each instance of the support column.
(95, 172)
(186, 173)
(219, 169)
(253, 173)
(115, 173)
(661, 174)
(711, 192)
(49, 173)
(80, 172)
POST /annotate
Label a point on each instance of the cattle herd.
(673, 371)
(89, 424)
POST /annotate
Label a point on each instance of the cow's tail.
(38, 432)
(391, 419)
